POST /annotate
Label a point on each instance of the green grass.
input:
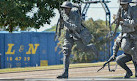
(53, 67)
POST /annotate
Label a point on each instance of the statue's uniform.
(127, 40)
(73, 28)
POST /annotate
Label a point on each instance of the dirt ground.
(73, 73)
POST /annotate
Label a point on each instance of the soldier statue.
(127, 39)
(76, 33)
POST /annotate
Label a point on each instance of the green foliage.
(13, 13)
(82, 57)
(99, 31)
(51, 29)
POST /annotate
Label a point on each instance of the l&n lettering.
(32, 49)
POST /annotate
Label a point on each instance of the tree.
(99, 31)
(14, 13)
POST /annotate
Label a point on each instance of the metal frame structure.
(107, 11)
(89, 2)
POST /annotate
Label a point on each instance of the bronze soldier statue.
(127, 40)
(76, 33)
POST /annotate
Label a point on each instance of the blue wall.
(33, 49)
(28, 49)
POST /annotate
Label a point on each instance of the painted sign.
(28, 49)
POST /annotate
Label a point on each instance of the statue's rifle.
(111, 59)
(117, 22)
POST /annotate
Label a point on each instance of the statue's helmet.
(66, 4)
(125, 1)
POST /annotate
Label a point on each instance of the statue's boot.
(128, 75)
(66, 67)
(122, 63)
(64, 75)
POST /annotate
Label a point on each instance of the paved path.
(77, 74)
